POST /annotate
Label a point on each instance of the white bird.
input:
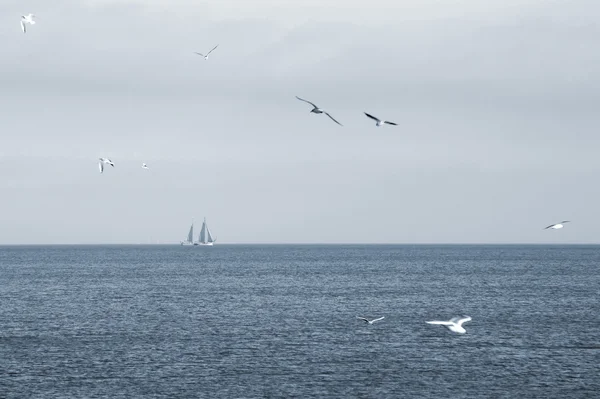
(102, 162)
(27, 19)
(557, 225)
(379, 121)
(207, 54)
(370, 321)
(144, 166)
(318, 110)
(454, 325)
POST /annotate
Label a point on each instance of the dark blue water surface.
(280, 321)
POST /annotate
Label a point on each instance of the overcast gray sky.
(496, 103)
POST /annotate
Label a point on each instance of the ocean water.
(280, 321)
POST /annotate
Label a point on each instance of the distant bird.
(370, 321)
(379, 121)
(102, 162)
(318, 110)
(207, 54)
(27, 19)
(557, 225)
(454, 325)
(144, 166)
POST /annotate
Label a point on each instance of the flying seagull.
(207, 54)
(318, 110)
(144, 166)
(102, 162)
(557, 225)
(454, 325)
(379, 121)
(370, 321)
(27, 19)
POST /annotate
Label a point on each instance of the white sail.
(210, 239)
(190, 237)
(202, 238)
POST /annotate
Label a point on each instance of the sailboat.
(190, 237)
(205, 236)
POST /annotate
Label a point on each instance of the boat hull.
(207, 244)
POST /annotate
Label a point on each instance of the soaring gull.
(318, 110)
(454, 325)
(379, 122)
(102, 162)
(207, 54)
(27, 19)
(557, 225)
(370, 321)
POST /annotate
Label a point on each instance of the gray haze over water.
(496, 104)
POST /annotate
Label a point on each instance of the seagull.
(27, 19)
(370, 321)
(318, 110)
(206, 56)
(102, 162)
(454, 325)
(144, 166)
(557, 225)
(379, 121)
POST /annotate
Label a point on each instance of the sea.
(280, 321)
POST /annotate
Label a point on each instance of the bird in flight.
(557, 225)
(207, 54)
(454, 325)
(144, 166)
(102, 162)
(379, 122)
(370, 321)
(318, 110)
(27, 19)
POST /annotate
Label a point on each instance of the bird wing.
(23, 27)
(372, 117)
(564, 221)
(381, 318)
(213, 49)
(442, 323)
(100, 166)
(199, 54)
(306, 101)
(390, 123)
(460, 320)
(333, 119)
(363, 319)
(552, 225)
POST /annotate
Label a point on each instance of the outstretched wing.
(333, 119)
(199, 54)
(363, 319)
(381, 318)
(460, 320)
(372, 117)
(390, 123)
(100, 166)
(306, 101)
(552, 225)
(442, 323)
(23, 27)
(213, 49)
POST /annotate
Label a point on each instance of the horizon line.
(303, 243)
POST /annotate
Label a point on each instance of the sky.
(496, 104)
